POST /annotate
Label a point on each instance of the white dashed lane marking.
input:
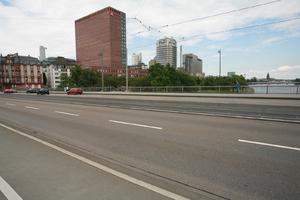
(33, 108)
(66, 113)
(8, 191)
(270, 145)
(134, 124)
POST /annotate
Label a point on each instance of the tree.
(76, 74)
(268, 77)
(88, 78)
(297, 81)
(253, 79)
(160, 75)
(65, 81)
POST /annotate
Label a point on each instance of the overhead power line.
(209, 16)
(182, 39)
(239, 28)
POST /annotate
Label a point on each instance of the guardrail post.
(182, 89)
(267, 90)
(297, 89)
(166, 89)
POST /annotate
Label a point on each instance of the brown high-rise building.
(101, 39)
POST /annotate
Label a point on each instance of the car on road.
(9, 90)
(43, 91)
(32, 90)
(74, 91)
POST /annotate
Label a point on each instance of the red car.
(9, 90)
(74, 91)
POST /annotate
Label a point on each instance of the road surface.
(192, 156)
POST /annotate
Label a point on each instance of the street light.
(102, 75)
(220, 61)
(126, 73)
(219, 68)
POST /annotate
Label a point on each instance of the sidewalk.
(207, 95)
(195, 95)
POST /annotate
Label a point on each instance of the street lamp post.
(126, 73)
(219, 69)
(220, 62)
(102, 73)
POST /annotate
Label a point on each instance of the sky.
(27, 24)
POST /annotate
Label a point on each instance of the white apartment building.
(166, 52)
(55, 67)
(54, 73)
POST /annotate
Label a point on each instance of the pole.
(126, 78)
(180, 65)
(220, 62)
(102, 71)
(126, 73)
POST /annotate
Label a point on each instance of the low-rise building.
(230, 74)
(20, 72)
(121, 71)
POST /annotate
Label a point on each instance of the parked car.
(9, 90)
(32, 90)
(74, 91)
(43, 91)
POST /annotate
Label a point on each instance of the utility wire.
(182, 39)
(209, 16)
(239, 28)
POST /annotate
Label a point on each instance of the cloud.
(288, 68)
(280, 72)
(271, 40)
(27, 24)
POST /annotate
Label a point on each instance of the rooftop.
(17, 59)
(97, 12)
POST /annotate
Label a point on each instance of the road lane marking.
(66, 113)
(10, 104)
(33, 108)
(271, 145)
(133, 124)
(106, 169)
(114, 106)
(8, 191)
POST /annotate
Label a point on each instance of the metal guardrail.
(251, 89)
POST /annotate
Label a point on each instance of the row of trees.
(159, 75)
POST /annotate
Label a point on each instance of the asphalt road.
(256, 108)
(191, 155)
(36, 172)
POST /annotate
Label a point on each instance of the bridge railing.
(251, 89)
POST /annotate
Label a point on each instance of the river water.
(276, 89)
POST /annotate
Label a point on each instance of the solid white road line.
(65, 113)
(33, 108)
(121, 175)
(10, 104)
(271, 145)
(8, 191)
(133, 124)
